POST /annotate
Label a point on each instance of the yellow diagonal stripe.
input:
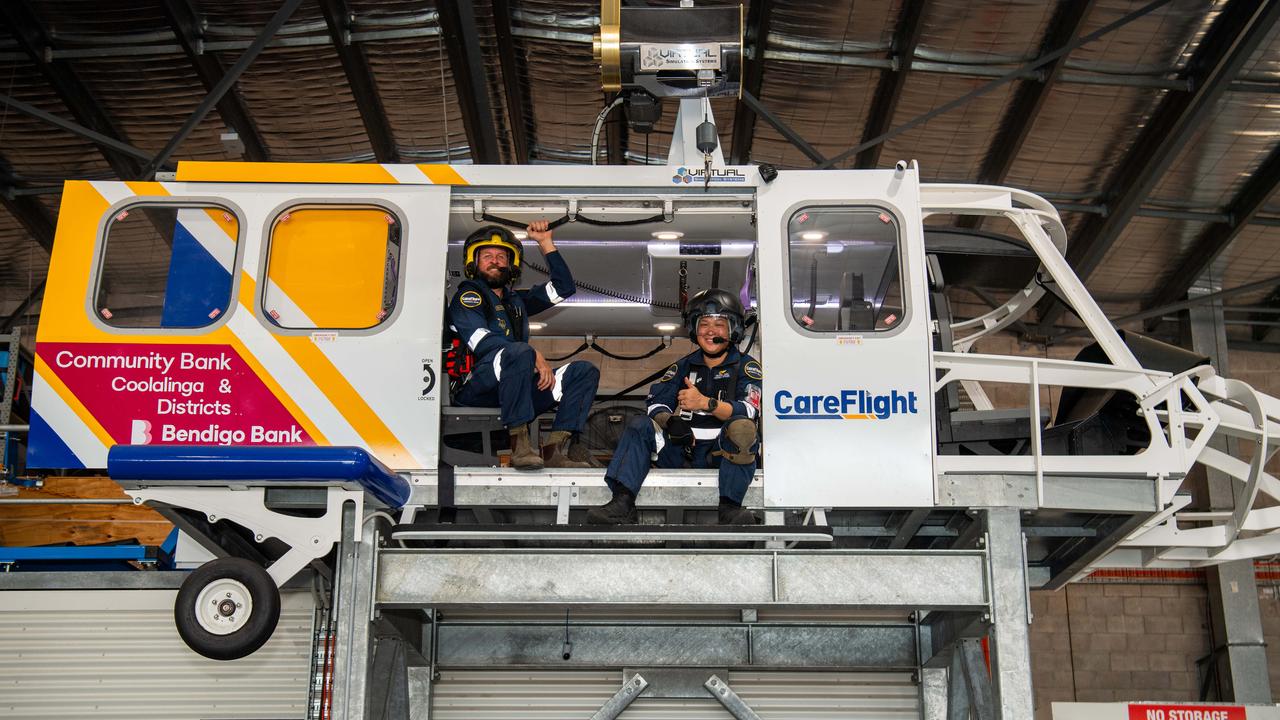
(442, 174)
(49, 376)
(335, 387)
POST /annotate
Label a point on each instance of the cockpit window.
(845, 269)
(333, 268)
(167, 266)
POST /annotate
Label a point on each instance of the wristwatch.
(711, 404)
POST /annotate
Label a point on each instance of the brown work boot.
(523, 456)
(558, 443)
(578, 452)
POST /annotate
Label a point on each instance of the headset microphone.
(719, 341)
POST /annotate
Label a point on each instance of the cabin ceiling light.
(667, 327)
(537, 326)
(813, 235)
(520, 234)
(668, 234)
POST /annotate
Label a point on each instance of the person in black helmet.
(702, 413)
(492, 318)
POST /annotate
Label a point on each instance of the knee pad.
(742, 433)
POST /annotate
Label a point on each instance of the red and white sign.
(1186, 712)
(173, 394)
(1163, 711)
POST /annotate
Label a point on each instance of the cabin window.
(334, 268)
(167, 266)
(845, 270)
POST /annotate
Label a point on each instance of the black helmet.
(491, 236)
(711, 303)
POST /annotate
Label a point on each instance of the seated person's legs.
(626, 473)
(573, 388)
(736, 447)
(506, 381)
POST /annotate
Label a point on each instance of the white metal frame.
(1180, 436)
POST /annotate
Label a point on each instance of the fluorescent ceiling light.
(537, 326)
(668, 235)
(520, 234)
(813, 235)
(667, 327)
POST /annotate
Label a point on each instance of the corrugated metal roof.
(822, 64)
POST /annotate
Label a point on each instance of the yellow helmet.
(491, 236)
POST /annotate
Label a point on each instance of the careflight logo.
(848, 405)
(699, 175)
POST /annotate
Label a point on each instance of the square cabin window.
(167, 266)
(845, 274)
(332, 268)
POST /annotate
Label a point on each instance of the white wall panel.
(107, 654)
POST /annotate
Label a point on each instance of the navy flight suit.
(497, 332)
(738, 380)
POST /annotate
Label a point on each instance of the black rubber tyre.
(222, 591)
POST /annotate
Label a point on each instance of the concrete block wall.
(1095, 642)
(1117, 642)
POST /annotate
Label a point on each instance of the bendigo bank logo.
(848, 405)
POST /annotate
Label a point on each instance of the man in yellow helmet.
(492, 318)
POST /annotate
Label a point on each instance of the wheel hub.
(223, 606)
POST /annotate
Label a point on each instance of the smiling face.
(710, 327)
(494, 265)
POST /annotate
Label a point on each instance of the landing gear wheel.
(227, 608)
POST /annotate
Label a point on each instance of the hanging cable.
(595, 134)
(593, 345)
(579, 349)
(661, 346)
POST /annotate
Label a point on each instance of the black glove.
(679, 432)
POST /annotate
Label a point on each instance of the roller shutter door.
(537, 695)
(106, 654)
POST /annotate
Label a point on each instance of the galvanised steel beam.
(26, 27)
(1010, 639)
(224, 85)
(1217, 237)
(185, 19)
(881, 646)
(906, 37)
(360, 79)
(1234, 37)
(462, 42)
(514, 79)
(880, 579)
(759, 19)
(1239, 659)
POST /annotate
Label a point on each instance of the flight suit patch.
(470, 299)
